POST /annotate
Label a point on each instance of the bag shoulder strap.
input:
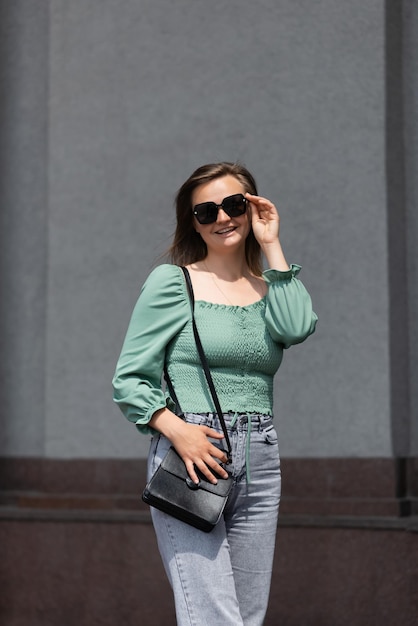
(204, 362)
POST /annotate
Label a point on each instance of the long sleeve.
(161, 311)
(289, 315)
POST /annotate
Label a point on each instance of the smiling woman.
(246, 318)
(224, 236)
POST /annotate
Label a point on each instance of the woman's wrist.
(166, 422)
(275, 257)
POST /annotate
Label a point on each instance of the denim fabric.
(224, 577)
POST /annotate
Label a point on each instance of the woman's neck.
(229, 268)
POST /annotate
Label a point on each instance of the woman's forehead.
(216, 190)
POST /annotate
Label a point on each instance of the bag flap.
(174, 464)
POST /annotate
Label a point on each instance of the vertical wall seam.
(397, 224)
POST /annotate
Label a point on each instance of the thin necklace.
(216, 284)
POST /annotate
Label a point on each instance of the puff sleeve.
(289, 315)
(161, 311)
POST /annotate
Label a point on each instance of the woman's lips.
(226, 231)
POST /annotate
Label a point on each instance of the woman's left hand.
(265, 219)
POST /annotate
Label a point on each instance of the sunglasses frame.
(207, 218)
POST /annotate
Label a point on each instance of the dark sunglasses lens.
(235, 205)
(206, 213)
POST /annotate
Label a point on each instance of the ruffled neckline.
(217, 305)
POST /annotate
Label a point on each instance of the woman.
(245, 319)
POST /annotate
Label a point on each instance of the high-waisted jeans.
(223, 577)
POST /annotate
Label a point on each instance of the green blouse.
(243, 344)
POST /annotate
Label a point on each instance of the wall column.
(23, 224)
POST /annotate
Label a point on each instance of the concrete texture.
(129, 99)
(104, 574)
(138, 98)
(23, 225)
(106, 108)
(377, 488)
(410, 22)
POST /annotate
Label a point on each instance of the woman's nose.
(222, 215)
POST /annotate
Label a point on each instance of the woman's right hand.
(193, 445)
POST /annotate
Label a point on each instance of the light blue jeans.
(223, 578)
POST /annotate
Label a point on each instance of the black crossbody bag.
(171, 489)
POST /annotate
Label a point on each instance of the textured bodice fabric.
(243, 344)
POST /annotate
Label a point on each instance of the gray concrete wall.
(133, 97)
(23, 224)
(410, 50)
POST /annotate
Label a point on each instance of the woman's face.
(227, 233)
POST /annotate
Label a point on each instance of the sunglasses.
(207, 212)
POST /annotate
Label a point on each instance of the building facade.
(106, 108)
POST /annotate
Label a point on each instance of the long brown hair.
(188, 246)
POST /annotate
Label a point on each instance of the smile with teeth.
(225, 231)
